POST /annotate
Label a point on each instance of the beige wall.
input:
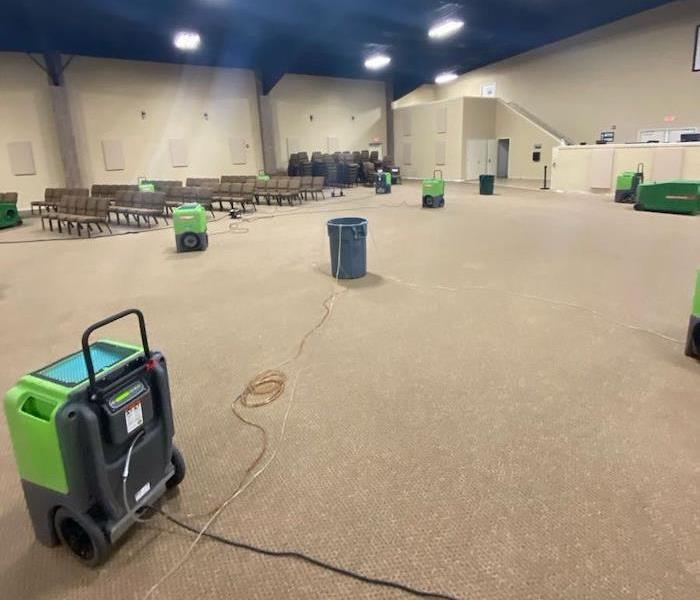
(26, 116)
(107, 97)
(574, 164)
(422, 135)
(421, 95)
(630, 74)
(467, 119)
(479, 118)
(524, 136)
(332, 102)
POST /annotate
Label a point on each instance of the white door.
(477, 153)
(491, 157)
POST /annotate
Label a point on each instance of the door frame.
(510, 142)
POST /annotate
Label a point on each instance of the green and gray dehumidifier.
(9, 215)
(190, 224)
(434, 191)
(262, 176)
(627, 184)
(692, 346)
(382, 185)
(679, 197)
(93, 440)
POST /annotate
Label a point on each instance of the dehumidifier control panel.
(124, 396)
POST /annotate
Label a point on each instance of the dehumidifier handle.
(435, 172)
(88, 332)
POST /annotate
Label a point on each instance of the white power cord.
(125, 475)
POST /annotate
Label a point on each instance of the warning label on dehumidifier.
(134, 417)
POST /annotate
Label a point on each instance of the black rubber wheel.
(638, 206)
(190, 240)
(82, 536)
(178, 462)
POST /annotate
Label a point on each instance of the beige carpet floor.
(500, 409)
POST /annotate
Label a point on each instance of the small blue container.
(348, 237)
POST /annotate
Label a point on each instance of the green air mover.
(680, 197)
(434, 191)
(382, 184)
(92, 435)
(692, 346)
(627, 183)
(190, 224)
(9, 215)
(262, 176)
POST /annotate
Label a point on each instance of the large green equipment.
(92, 436)
(692, 346)
(433, 191)
(190, 224)
(680, 197)
(627, 184)
(9, 215)
(382, 184)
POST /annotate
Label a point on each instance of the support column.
(389, 94)
(63, 120)
(267, 134)
(66, 137)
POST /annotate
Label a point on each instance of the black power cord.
(309, 559)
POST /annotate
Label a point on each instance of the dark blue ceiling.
(315, 37)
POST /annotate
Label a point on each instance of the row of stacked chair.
(341, 169)
(290, 189)
(78, 211)
(146, 206)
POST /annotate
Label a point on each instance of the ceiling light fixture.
(445, 78)
(187, 40)
(445, 28)
(377, 61)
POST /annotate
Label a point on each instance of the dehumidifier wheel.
(82, 536)
(178, 462)
(190, 240)
(638, 206)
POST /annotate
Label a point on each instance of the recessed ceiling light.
(377, 61)
(445, 78)
(445, 28)
(187, 40)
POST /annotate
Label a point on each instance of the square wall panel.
(239, 151)
(440, 152)
(178, 153)
(113, 155)
(441, 119)
(406, 154)
(21, 158)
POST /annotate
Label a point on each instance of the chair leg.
(99, 228)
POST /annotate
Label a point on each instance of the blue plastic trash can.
(348, 237)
